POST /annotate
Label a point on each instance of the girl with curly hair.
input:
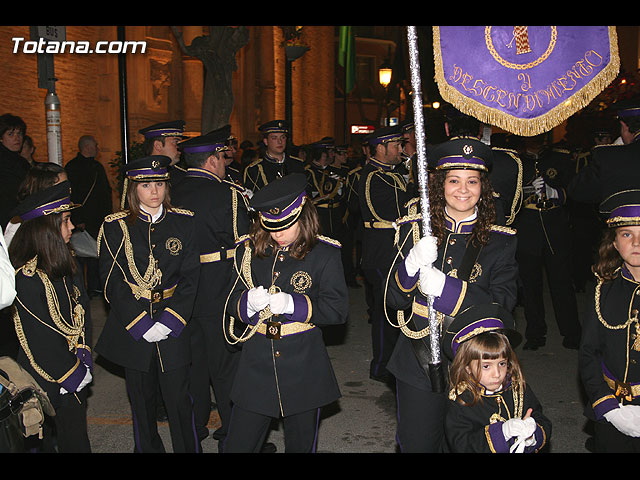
(466, 260)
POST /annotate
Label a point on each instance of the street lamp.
(384, 74)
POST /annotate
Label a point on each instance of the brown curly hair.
(486, 209)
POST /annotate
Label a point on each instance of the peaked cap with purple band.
(214, 141)
(280, 202)
(55, 199)
(164, 129)
(274, 126)
(153, 167)
(628, 107)
(386, 134)
(622, 208)
(461, 153)
(476, 320)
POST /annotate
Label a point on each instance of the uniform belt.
(153, 295)
(328, 205)
(379, 224)
(625, 390)
(533, 206)
(216, 256)
(276, 330)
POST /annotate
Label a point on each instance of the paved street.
(363, 420)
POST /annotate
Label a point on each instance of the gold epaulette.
(296, 158)
(354, 170)
(503, 229)
(182, 211)
(502, 149)
(456, 391)
(561, 150)
(116, 216)
(242, 239)
(29, 268)
(255, 162)
(413, 201)
(329, 241)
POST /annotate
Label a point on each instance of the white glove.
(281, 303)
(530, 428)
(85, 381)
(432, 281)
(257, 299)
(422, 254)
(626, 419)
(157, 333)
(514, 427)
(540, 185)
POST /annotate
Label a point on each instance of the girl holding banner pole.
(467, 260)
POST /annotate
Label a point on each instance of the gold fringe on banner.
(531, 126)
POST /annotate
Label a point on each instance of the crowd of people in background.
(222, 258)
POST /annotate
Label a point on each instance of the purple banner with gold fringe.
(524, 79)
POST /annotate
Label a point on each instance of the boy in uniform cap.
(614, 167)
(221, 216)
(162, 139)
(275, 162)
(383, 194)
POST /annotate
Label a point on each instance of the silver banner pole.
(436, 372)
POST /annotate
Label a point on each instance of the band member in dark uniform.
(466, 260)
(326, 187)
(383, 196)
(162, 139)
(544, 243)
(221, 217)
(52, 316)
(609, 356)
(149, 265)
(290, 282)
(275, 162)
(614, 167)
(492, 409)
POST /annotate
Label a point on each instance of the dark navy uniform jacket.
(539, 228)
(327, 189)
(492, 280)
(478, 428)
(124, 259)
(609, 356)
(383, 194)
(265, 169)
(63, 357)
(293, 374)
(221, 218)
(613, 168)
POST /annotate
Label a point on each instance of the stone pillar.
(193, 83)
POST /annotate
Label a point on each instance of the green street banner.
(524, 79)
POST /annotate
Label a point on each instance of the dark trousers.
(248, 431)
(563, 298)
(383, 334)
(142, 388)
(608, 439)
(421, 416)
(71, 424)
(214, 364)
